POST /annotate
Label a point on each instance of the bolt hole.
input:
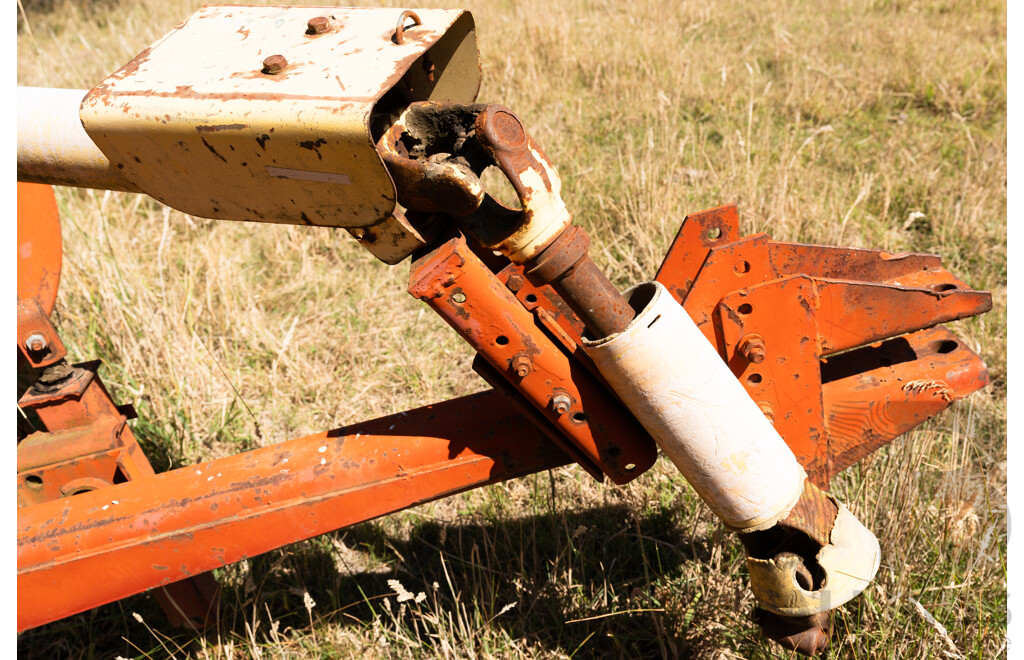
(754, 379)
(630, 467)
(943, 287)
(502, 340)
(579, 417)
(745, 308)
(34, 481)
(944, 346)
(531, 298)
(79, 491)
(743, 267)
(714, 234)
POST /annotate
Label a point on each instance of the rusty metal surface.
(808, 635)
(177, 524)
(565, 264)
(455, 283)
(778, 311)
(40, 249)
(288, 142)
(423, 152)
(544, 216)
(38, 342)
(436, 153)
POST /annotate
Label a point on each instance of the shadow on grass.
(555, 568)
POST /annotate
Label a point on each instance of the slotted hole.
(943, 287)
(945, 346)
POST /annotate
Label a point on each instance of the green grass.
(879, 124)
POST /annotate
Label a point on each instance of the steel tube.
(54, 148)
(83, 551)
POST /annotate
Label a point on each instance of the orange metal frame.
(95, 524)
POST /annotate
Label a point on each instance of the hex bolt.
(318, 25)
(561, 403)
(36, 342)
(752, 348)
(514, 283)
(274, 64)
(521, 365)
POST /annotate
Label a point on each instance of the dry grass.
(875, 124)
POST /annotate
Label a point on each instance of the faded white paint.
(850, 562)
(675, 383)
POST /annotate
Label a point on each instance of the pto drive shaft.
(807, 554)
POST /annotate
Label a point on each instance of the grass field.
(878, 123)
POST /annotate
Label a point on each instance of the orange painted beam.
(80, 552)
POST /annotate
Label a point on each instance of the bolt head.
(522, 365)
(514, 283)
(561, 403)
(36, 342)
(318, 25)
(274, 64)
(752, 348)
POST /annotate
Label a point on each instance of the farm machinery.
(760, 368)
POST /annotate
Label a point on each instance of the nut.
(521, 365)
(36, 342)
(274, 64)
(514, 283)
(752, 348)
(318, 25)
(561, 403)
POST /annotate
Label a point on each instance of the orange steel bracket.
(785, 317)
(533, 355)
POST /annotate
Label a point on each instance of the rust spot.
(262, 140)
(212, 150)
(219, 127)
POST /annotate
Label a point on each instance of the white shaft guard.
(676, 384)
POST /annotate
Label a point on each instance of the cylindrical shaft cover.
(680, 389)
